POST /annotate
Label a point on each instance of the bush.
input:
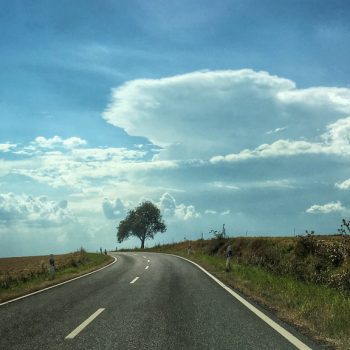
(216, 243)
(305, 245)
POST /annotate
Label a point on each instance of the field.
(21, 275)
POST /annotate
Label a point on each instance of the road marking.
(134, 280)
(135, 254)
(146, 268)
(84, 324)
(287, 335)
(59, 284)
(144, 257)
(148, 260)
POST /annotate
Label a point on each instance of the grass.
(321, 312)
(23, 275)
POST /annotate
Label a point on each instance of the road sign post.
(52, 266)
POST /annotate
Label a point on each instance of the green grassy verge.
(321, 312)
(91, 262)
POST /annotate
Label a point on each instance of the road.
(171, 305)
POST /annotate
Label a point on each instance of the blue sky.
(234, 112)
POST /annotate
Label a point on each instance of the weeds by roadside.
(304, 280)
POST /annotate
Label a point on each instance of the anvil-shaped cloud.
(208, 113)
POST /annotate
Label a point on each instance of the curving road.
(171, 304)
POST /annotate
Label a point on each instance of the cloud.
(36, 211)
(333, 142)
(345, 185)
(184, 212)
(280, 148)
(214, 212)
(167, 205)
(326, 208)
(57, 141)
(7, 147)
(210, 211)
(202, 114)
(275, 131)
(113, 210)
(77, 168)
(219, 184)
(106, 154)
(181, 211)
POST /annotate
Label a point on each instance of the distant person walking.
(228, 257)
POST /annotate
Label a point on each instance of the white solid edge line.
(59, 284)
(84, 324)
(134, 280)
(146, 268)
(287, 335)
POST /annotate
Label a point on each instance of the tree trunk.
(142, 243)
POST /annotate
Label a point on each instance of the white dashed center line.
(84, 324)
(144, 257)
(134, 280)
(148, 260)
(146, 268)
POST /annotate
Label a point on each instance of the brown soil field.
(28, 266)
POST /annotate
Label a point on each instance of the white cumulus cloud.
(186, 212)
(202, 114)
(167, 204)
(57, 141)
(345, 185)
(181, 211)
(326, 208)
(33, 210)
(113, 210)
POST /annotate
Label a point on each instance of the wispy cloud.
(275, 131)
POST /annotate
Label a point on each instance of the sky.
(228, 112)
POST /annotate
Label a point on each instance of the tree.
(143, 222)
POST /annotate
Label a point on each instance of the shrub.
(305, 244)
(216, 243)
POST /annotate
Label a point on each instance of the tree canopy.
(143, 222)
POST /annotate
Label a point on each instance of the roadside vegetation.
(22, 275)
(305, 280)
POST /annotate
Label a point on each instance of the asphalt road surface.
(143, 301)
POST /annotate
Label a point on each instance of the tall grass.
(319, 310)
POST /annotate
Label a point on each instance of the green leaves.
(143, 222)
